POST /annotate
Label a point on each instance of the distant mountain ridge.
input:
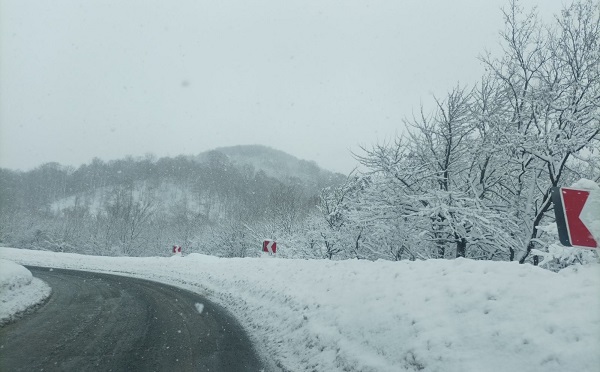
(136, 206)
(277, 164)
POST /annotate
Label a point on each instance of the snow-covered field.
(19, 290)
(436, 315)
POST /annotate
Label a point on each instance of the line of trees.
(472, 177)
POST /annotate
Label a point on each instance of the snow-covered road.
(436, 315)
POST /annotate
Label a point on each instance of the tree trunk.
(538, 218)
(461, 247)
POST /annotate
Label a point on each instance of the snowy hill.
(137, 206)
(278, 164)
(435, 315)
(176, 187)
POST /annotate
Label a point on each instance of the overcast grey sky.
(109, 78)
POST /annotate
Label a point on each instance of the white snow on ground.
(436, 315)
(19, 290)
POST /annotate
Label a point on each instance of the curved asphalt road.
(113, 323)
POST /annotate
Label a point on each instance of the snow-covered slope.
(278, 164)
(436, 315)
(19, 290)
(163, 196)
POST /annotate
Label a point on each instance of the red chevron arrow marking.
(573, 201)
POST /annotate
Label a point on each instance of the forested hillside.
(209, 203)
(277, 164)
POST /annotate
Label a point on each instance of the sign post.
(574, 217)
(269, 246)
(176, 249)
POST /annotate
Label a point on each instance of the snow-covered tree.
(473, 177)
(549, 81)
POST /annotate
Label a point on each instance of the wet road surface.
(105, 322)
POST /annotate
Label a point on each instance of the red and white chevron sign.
(176, 249)
(270, 246)
(576, 212)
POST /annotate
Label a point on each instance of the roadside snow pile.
(436, 315)
(19, 290)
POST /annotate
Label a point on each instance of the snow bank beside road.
(436, 315)
(19, 290)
